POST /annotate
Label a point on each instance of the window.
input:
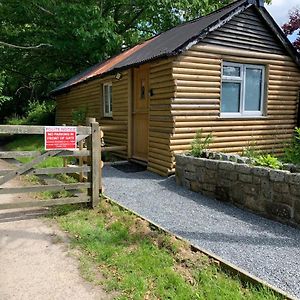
(242, 90)
(107, 99)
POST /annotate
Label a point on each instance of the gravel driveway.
(260, 246)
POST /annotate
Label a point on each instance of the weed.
(292, 151)
(200, 143)
(269, 161)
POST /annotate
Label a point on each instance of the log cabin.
(232, 73)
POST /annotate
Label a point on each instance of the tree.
(292, 26)
(44, 42)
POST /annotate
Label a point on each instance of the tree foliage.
(292, 26)
(44, 42)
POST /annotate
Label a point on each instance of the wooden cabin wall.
(197, 74)
(89, 95)
(161, 122)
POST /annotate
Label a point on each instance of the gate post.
(95, 176)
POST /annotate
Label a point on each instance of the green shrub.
(39, 113)
(79, 116)
(268, 160)
(292, 152)
(251, 152)
(200, 143)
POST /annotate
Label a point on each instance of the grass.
(140, 262)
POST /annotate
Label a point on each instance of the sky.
(279, 9)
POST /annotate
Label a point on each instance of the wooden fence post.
(95, 176)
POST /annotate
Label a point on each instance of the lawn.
(138, 261)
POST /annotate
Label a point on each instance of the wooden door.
(141, 113)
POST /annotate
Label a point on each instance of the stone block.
(245, 178)
(198, 161)
(225, 182)
(284, 198)
(266, 189)
(186, 183)
(297, 211)
(295, 189)
(253, 203)
(178, 180)
(222, 193)
(226, 165)
(277, 175)
(281, 187)
(200, 174)
(236, 195)
(279, 210)
(190, 166)
(251, 189)
(195, 186)
(181, 159)
(208, 187)
(260, 171)
(231, 175)
(244, 169)
(211, 164)
(189, 175)
(256, 179)
(293, 178)
(210, 176)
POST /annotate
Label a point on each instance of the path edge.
(224, 264)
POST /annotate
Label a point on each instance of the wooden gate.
(92, 135)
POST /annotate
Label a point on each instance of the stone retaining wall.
(272, 193)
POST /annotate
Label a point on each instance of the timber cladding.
(89, 96)
(197, 100)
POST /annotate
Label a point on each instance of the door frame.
(131, 111)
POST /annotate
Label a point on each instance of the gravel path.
(260, 246)
(35, 261)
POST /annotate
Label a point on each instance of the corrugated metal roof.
(168, 43)
(165, 44)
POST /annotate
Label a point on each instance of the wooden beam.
(14, 154)
(44, 188)
(44, 203)
(30, 129)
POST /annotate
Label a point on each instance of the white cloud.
(279, 9)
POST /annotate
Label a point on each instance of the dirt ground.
(35, 262)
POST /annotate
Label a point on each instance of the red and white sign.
(60, 138)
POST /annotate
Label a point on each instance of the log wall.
(161, 125)
(197, 101)
(89, 96)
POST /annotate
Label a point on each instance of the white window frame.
(104, 100)
(242, 80)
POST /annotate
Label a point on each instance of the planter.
(272, 193)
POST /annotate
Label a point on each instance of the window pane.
(253, 89)
(230, 97)
(110, 98)
(231, 71)
(106, 99)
